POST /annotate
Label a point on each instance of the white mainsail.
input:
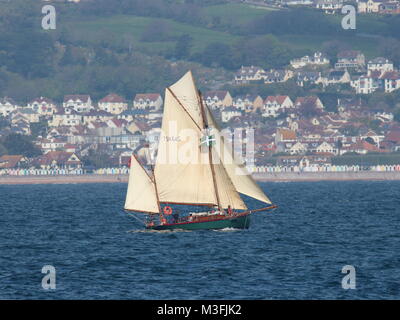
(177, 181)
(141, 194)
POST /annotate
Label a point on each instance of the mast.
(210, 158)
(155, 187)
(154, 181)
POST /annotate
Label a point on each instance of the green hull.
(242, 222)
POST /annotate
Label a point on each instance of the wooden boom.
(274, 206)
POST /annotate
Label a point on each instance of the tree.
(309, 109)
(156, 31)
(3, 150)
(217, 54)
(3, 123)
(390, 48)
(39, 128)
(17, 144)
(332, 48)
(397, 115)
(183, 46)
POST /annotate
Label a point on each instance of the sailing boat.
(194, 168)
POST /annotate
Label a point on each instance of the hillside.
(99, 47)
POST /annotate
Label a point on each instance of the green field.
(114, 29)
(235, 12)
(365, 44)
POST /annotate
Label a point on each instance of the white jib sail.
(141, 193)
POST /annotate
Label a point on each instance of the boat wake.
(227, 230)
(157, 231)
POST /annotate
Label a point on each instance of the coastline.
(327, 176)
(262, 177)
(60, 179)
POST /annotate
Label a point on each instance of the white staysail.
(227, 192)
(141, 194)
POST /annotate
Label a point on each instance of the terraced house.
(249, 74)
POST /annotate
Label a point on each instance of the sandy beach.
(265, 177)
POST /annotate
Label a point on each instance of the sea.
(327, 240)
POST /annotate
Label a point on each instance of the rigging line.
(133, 216)
(180, 103)
(137, 159)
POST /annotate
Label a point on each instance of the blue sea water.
(295, 252)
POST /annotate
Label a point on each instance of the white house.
(54, 144)
(113, 103)
(326, 147)
(230, 112)
(338, 76)
(329, 6)
(367, 84)
(248, 103)
(7, 106)
(391, 81)
(380, 64)
(30, 115)
(369, 6)
(66, 117)
(298, 148)
(218, 99)
(275, 105)
(43, 106)
(318, 58)
(80, 103)
(249, 74)
(275, 76)
(303, 77)
(96, 116)
(350, 59)
(152, 101)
